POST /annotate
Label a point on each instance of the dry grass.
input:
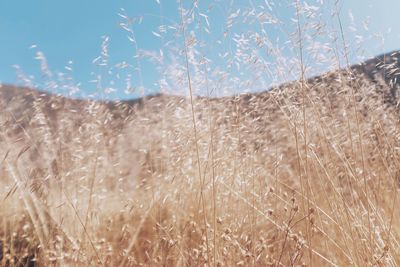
(304, 174)
(121, 187)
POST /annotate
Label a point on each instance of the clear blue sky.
(70, 34)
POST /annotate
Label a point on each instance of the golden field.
(305, 174)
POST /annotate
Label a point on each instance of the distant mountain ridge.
(22, 106)
(385, 66)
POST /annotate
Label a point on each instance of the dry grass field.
(305, 174)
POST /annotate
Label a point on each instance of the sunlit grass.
(305, 173)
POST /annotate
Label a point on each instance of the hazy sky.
(70, 35)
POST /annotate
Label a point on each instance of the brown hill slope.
(61, 120)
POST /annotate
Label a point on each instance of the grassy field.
(304, 174)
